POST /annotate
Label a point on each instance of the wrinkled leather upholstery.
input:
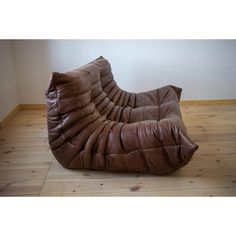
(93, 124)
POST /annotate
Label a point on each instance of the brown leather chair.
(93, 124)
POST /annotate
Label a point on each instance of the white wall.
(205, 69)
(33, 69)
(8, 86)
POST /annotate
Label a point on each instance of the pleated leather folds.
(93, 124)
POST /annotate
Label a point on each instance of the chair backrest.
(107, 83)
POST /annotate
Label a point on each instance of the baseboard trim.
(182, 103)
(4, 121)
(11, 114)
(208, 102)
(32, 106)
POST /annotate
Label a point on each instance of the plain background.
(205, 69)
(8, 85)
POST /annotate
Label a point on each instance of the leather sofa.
(93, 124)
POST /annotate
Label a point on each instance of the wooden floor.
(28, 168)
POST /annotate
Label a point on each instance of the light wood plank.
(209, 192)
(87, 186)
(28, 168)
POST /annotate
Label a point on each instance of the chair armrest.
(157, 96)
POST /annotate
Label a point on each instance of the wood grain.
(28, 168)
(8, 117)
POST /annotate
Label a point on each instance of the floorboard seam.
(45, 179)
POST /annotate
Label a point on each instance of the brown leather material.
(93, 124)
